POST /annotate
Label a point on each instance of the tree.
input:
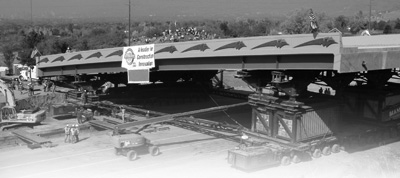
(31, 39)
(224, 27)
(381, 25)
(297, 22)
(397, 25)
(341, 23)
(9, 57)
(387, 29)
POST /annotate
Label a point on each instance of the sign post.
(138, 60)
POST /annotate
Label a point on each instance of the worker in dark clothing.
(79, 115)
(44, 83)
(76, 134)
(30, 89)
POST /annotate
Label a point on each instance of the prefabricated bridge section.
(327, 51)
(35, 140)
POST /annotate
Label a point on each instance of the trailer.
(307, 128)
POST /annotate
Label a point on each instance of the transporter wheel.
(335, 148)
(326, 151)
(285, 161)
(132, 155)
(117, 151)
(154, 150)
(296, 159)
(317, 153)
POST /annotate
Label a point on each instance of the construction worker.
(76, 133)
(67, 131)
(243, 139)
(122, 113)
(45, 83)
(115, 131)
(84, 97)
(73, 134)
(79, 115)
(30, 89)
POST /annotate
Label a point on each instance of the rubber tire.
(117, 152)
(317, 153)
(296, 159)
(335, 148)
(154, 150)
(285, 161)
(326, 151)
(132, 155)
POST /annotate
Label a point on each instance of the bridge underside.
(282, 62)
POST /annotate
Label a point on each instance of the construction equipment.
(10, 116)
(132, 143)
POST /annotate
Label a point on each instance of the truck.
(27, 73)
(10, 117)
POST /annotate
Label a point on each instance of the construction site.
(295, 106)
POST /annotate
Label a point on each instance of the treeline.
(18, 40)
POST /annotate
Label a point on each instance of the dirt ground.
(184, 154)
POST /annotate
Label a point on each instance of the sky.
(181, 9)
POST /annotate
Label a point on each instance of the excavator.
(8, 115)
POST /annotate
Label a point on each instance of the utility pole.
(370, 10)
(30, 67)
(129, 26)
(31, 15)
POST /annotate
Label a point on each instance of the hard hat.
(245, 137)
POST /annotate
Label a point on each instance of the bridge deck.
(328, 51)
